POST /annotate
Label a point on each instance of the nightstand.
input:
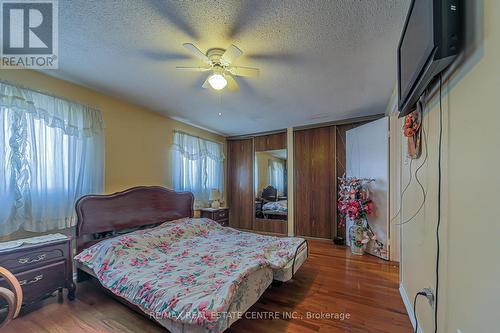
(42, 266)
(220, 215)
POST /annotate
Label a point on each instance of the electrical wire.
(424, 193)
(415, 309)
(438, 202)
(403, 193)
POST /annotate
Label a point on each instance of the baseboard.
(409, 307)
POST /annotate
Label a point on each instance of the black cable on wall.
(436, 292)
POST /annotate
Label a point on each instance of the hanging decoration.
(354, 204)
(412, 129)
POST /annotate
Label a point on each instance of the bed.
(189, 275)
(275, 210)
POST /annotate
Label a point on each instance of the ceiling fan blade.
(193, 69)
(196, 52)
(232, 53)
(232, 85)
(244, 71)
(205, 84)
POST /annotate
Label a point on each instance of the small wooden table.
(41, 269)
(220, 215)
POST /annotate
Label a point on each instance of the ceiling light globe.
(217, 81)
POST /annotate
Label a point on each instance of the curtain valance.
(51, 153)
(195, 148)
(73, 118)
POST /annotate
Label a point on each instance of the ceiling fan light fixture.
(217, 81)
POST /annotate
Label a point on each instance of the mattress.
(286, 273)
(249, 292)
(193, 273)
(276, 206)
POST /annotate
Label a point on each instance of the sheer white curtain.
(51, 153)
(277, 175)
(197, 166)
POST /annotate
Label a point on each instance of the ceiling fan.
(218, 62)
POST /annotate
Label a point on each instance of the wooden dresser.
(41, 269)
(220, 215)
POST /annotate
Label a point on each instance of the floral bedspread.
(279, 206)
(186, 270)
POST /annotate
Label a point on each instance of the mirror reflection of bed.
(271, 201)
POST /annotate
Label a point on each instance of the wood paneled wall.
(270, 142)
(315, 195)
(240, 183)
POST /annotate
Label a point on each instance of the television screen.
(416, 46)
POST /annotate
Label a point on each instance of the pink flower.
(203, 305)
(167, 268)
(172, 302)
(207, 260)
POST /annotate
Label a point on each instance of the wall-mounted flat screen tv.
(430, 41)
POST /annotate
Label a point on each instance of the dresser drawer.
(221, 215)
(224, 222)
(24, 260)
(41, 281)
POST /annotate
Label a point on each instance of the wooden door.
(267, 144)
(315, 200)
(240, 183)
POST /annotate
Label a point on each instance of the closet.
(319, 159)
(240, 183)
(257, 183)
(258, 175)
(270, 184)
(315, 198)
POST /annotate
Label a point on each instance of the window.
(277, 175)
(197, 166)
(51, 153)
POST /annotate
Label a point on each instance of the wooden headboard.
(270, 193)
(135, 207)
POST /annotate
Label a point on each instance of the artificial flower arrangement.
(412, 129)
(412, 124)
(354, 203)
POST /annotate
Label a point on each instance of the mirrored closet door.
(270, 184)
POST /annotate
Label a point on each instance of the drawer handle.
(28, 282)
(25, 261)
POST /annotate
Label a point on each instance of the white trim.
(290, 181)
(392, 105)
(409, 307)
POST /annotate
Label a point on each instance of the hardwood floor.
(331, 281)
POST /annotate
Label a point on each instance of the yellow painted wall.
(138, 141)
(469, 296)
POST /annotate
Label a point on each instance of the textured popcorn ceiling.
(320, 60)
